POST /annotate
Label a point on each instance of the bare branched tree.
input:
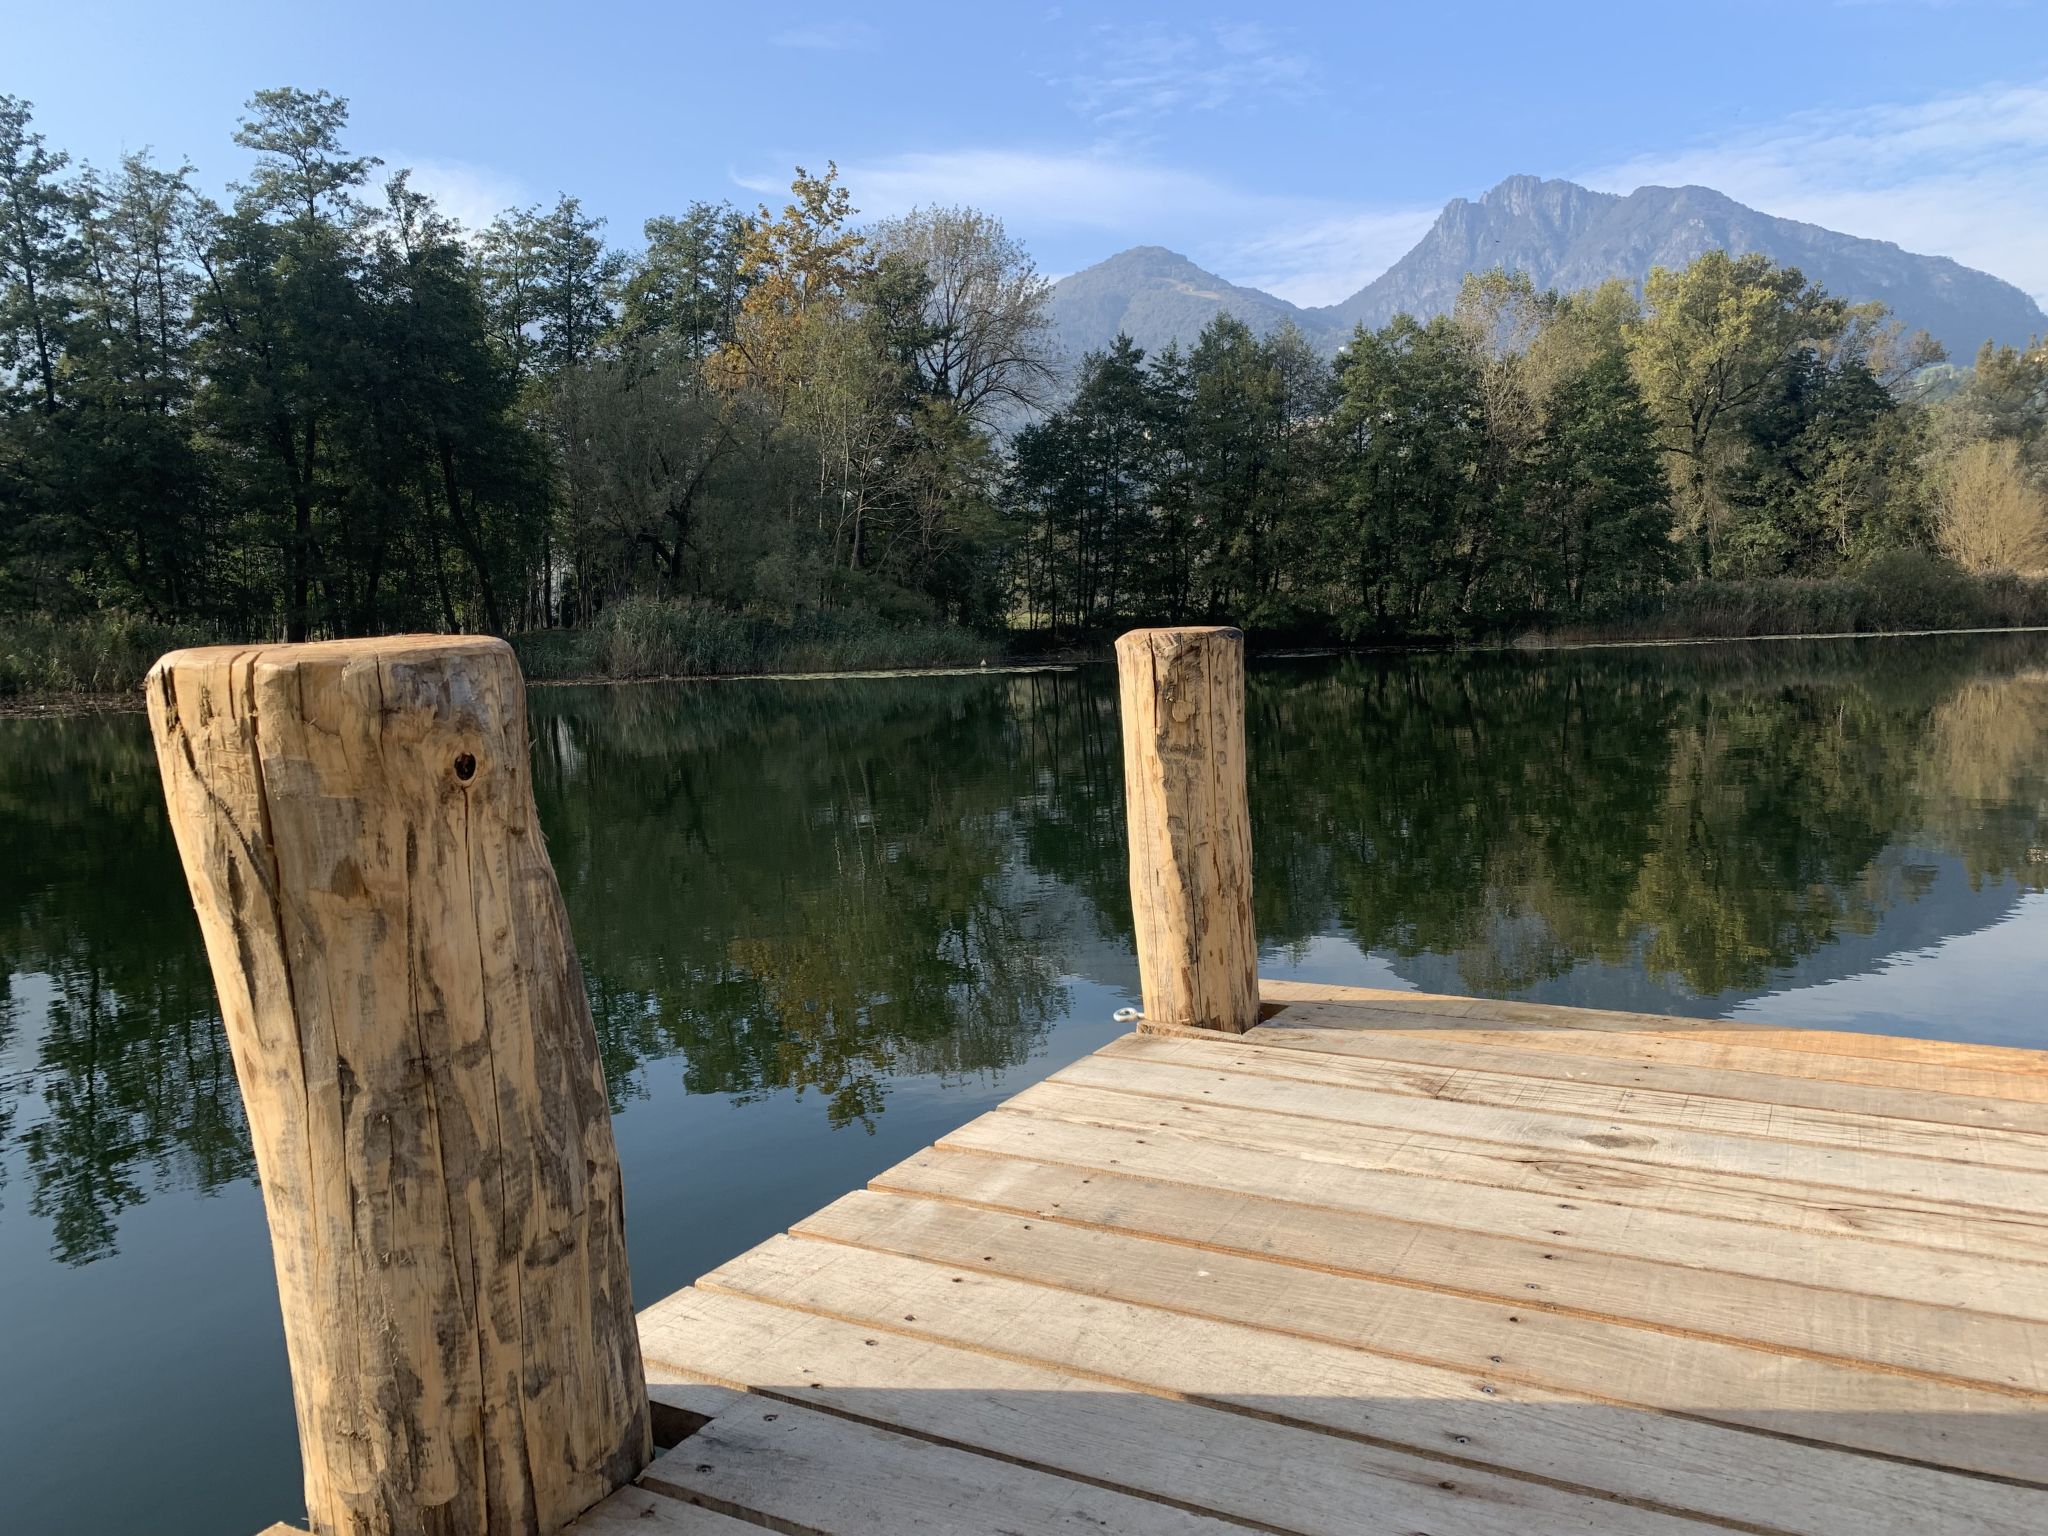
(990, 347)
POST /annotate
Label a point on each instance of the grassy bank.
(104, 657)
(646, 637)
(96, 656)
(1903, 592)
(101, 659)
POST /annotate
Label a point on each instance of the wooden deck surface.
(1404, 1265)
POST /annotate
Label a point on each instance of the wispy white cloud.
(1308, 250)
(1962, 175)
(471, 194)
(1136, 75)
(1088, 189)
(830, 37)
(1323, 259)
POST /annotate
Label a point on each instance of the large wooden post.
(415, 1050)
(1191, 843)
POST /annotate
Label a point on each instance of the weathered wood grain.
(1905, 1090)
(1605, 1172)
(1869, 1119)
(795, 1469)
(1889, 1414)
(1821, 1254)
(1378, 1008)
(415, 1050)
(1190, 828)
(1548, 1119)
(1345, 1029)
(1753, 1482)
(1547, 1271)
(1186, 1453)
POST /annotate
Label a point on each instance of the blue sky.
(1294, 147)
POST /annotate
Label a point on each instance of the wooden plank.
(1991, 1136)
(1532, 1129)
(1820, 1257)
(1752, 1481)
(637, 1511)
(1938, 1341)
(1430, 1011)
(1185, 1453)
(1868, 1409)
(1945, 1085)
(1572, 1178)
(1755, 1077)
(789, 1467)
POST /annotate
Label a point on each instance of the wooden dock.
(1290, 1258)
(1400, 1264)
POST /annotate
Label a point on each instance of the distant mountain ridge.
(1564, 236)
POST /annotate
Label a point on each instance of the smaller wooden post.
(1191, 842)
(422, 1082)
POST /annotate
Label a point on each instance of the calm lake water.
(825, 922)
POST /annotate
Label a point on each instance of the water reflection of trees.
(810, 886)
(1985, 774)
(131, 1088)
(1709, 817)
(821, 887)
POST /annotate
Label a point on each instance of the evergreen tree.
(281, 338)
(1404, 537)
(1602, 519)
(135, 497)
(685, 291)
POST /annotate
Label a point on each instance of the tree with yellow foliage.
(1992, 517)
(1713, 339)
(799, 271)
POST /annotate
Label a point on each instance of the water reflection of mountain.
(1602, 827)
(1931, 898)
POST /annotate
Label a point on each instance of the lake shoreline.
(57, 705)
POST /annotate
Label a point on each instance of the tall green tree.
(1714, 338)
(1597, 495)
(576, 299)
(1406, 538)
(1249, 454)
(135, 496)
(39, 258)
(1084, 481)
(281, 335)
(468, 475)
(684, 292)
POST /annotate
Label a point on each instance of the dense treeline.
(323, 408)
(1531, 457)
